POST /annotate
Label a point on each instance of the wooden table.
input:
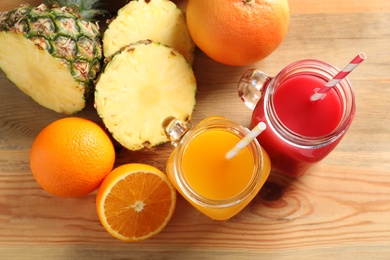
(340, 209)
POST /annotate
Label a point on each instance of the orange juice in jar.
(198, 168)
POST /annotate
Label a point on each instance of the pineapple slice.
(139, 87)
(157, 20)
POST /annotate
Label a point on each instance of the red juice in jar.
(299, 131)
(303, 116)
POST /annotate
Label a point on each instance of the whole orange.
(238, 32)
(71, 156)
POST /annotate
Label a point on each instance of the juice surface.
(303, 116)
(207, 170)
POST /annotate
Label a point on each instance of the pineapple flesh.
(139, 87)
(51, 54)
(157, 20)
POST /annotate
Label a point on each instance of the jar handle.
(174, 129)
(251, 87)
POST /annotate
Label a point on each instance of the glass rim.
(343, 88)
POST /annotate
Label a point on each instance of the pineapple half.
(139, 87)
(51, 53)
(157, 20)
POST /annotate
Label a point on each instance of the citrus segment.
(135, 202)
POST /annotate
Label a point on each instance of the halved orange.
(135, 202)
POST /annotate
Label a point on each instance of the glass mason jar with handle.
(300, 132)
(198, 167)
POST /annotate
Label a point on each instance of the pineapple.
(140, 86)
(51, 53)
(157, 20)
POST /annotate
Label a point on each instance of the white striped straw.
(260, 127)
(340, 76)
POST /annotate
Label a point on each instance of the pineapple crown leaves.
(86, 9)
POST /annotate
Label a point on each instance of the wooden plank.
(336, 6)
(339, 209)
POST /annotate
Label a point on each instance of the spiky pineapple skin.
(141, 85)
(73, 41)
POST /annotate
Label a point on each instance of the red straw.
(340, 76)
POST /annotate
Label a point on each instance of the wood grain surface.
(339, 209)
